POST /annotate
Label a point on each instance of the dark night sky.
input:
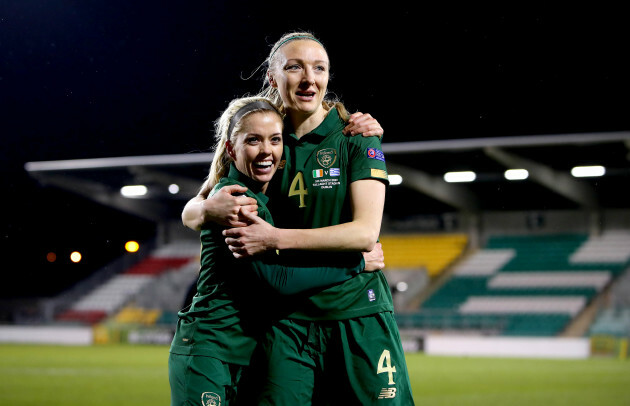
(87, 79)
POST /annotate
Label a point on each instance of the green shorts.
(202, 381)
(341, 362)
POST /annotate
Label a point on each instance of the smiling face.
(256, 146)
(300, 73)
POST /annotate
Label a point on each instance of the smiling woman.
(257, 151)
(201, 363)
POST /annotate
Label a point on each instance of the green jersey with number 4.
(314, 192)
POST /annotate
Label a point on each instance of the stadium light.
(75, 257)
(133, 190)
(132, 246)
(463, 176)
(394, 179)
(402, 286)
(588, 171)
(516, 174)
(173, 189)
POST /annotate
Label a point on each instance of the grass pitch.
(137, 375)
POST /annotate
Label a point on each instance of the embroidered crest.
(210, 399)
(327, 157)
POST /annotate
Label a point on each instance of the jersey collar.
(250, 183)
(331, 124)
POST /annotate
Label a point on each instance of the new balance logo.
(387, 393)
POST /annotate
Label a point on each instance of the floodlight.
(516, 174)
(588, 171)
(173, 189)
(395, 179)
(132, 246)
(75, 257)
(133, 190)
(463, 176)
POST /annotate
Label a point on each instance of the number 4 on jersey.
(385, 365)
(298, 187)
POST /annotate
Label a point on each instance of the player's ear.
(272, 81)
(230, 149)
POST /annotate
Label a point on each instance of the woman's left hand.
(254, 239)
(375, 259)
(364, 124)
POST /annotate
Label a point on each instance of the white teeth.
(264, 163)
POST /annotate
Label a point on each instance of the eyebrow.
(260, 135)
(302, 60)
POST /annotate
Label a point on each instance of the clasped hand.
(257, 237)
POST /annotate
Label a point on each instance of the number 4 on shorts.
(385, 365)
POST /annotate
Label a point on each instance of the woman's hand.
(226, 207)
(364, 124)
(375, 259)
(257, 237)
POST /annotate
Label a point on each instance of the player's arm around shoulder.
(222, 204)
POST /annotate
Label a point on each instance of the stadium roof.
(548, 160)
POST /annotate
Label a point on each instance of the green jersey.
(231, 305)
(221, 320)
(314, 192)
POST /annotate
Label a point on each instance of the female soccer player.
(216, 334)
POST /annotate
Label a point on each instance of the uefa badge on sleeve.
(374, 153)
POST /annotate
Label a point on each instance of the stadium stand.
(611, 247)
(612, 322)
(124, 288)
(526, 285)
(515, 285)
(413, 260)
(613, 318)
(137, 315)
(432, 252)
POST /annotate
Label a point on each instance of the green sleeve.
(367, 160)
(289, 280)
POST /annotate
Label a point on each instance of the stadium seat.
(112, 295)
(536, 283)
(432, 252)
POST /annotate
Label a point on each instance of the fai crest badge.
(327, 157)
(210, 399)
